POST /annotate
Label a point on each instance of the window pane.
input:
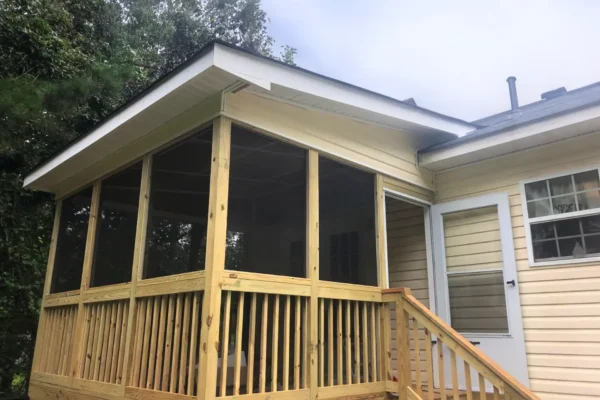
(561, 185)
(588, 200)
(179, 207)
(564, 204)
(477, 303)
(587, 180)
(547, 249)
(536, 190)
(542, 231)
(346, 224)
(267, 205)
(572, 247)
(113, 256)
(70, 245)
(591, 224)
(539, 208)
(592, 244)
(568, 227)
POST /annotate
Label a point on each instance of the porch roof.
(218, 68)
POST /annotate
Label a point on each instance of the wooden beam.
(312, 266)
(215, 258)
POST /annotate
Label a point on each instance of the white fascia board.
(163, 89)
(537, 133)
(264, 73)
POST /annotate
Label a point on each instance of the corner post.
(215, 258)
(47, 285)
(77, 356)
(312, 264)
(402, 344)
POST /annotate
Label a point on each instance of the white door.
(476, 285)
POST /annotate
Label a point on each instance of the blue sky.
(452, 56)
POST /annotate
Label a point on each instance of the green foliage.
(65, 65)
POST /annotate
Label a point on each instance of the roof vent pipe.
(512, 89)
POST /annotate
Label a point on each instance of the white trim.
(550, 218)
(406, 197)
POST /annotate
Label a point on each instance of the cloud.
(451, 56)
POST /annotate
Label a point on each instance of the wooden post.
(215, 258)
(380, 232)
(402, 348)
(77, 356)
(47, 285)
(138, 264)
(312, 265)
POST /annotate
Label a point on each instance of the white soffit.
(523, 137)
(219, 68)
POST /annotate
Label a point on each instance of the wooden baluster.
(330, 344)
(387, 342)
(348, 338)
(365, 344)
(306, 341)
(162, 323)
(297, 361)
(402, 347)
(321, 343)
(468, 384)
(111, 342)
(496, 393)
(146, 344)
(65, 354)
(286, 344)
(357, 341)
(417, 342)
(454, 374)
(153, 340)
(98, 353)
(87, 342)
(429, 358)
(59, 341)
(115, 353)
(482, 394)
(251, 344)
(185, 342)
(176, 345)
(168, 344)
(275, 345)
(239, 330)
(105, 337)
(263, 344)
(374, 345)
(225, 344)
(441, 368)
(340, 338)
(122, 343)
(380, 342)
(193, 344)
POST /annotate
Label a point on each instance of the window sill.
(567, 262)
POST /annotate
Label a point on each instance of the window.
(267, 205)
(70, 245)
(563, 216)
(176, 237)
(346, 224)
(115, 240)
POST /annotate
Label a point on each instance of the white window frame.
(552, 218)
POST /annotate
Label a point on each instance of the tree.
(65, 65)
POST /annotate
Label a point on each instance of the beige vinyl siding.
(407, 260)
(380, 149)
(560, 304)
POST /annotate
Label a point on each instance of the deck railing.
(368, 342)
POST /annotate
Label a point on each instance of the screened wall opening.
(70, 246)
(116, 226)
(266, 221)
(180, 184)
(346, 224)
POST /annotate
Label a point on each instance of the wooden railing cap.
(403, 290)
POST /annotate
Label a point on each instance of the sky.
(451, 56)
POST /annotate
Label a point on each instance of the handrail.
(458, 344)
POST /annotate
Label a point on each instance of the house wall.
(560, 304)
(377, 148)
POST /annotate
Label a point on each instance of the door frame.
(387, 192)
